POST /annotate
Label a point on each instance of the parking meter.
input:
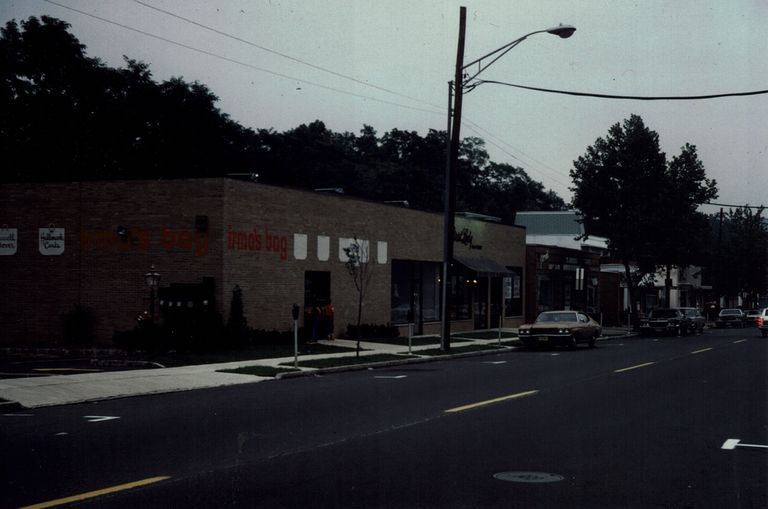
(295, 311)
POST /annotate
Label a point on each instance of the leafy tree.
(740, 254)
(646, 208)
(617, 185)
(683, 231)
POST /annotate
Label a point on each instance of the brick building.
(91, 243)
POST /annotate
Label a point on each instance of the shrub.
(79, 326)
(370, 331)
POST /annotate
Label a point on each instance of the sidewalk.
(34, 392)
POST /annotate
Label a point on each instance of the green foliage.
(70, 117)
(79, 326)
(646, 208)
(372, 331)
(739, 253)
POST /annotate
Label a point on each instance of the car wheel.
(572, 344)
(593, 340)
(765, 333)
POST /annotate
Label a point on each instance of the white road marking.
(701, 351)
(18, 415)
(733, 443)
(392, 377)
(495, 362)
(99, 418)
(740, 341)
(633, 367)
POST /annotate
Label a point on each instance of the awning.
(483, 266)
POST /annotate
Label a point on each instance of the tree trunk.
(668, 287)
(359, 318)
(632, 291)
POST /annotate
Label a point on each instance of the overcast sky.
(387, 64)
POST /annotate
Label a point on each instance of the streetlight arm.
(563, 31)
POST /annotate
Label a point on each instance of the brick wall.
(115, 231)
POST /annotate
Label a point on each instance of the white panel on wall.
(323, 248)
(381, 252)
(300, 246)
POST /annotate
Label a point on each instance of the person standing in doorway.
(328, 312)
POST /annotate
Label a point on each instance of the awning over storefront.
(483, 266)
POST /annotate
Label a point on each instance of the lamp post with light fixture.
(463, 81)
(152, 279)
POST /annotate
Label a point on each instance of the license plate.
(543, 339)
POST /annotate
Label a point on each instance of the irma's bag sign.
(51, 241)
(9, 241)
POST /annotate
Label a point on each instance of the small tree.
(359, 269)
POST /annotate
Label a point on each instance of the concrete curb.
(11, 406)
(394, 362)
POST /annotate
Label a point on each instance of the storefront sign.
(51, 241)
(9, 242)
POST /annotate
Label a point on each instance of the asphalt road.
(650, 422)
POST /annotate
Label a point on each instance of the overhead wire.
(238, 62)
(627, 97)
(284, 55)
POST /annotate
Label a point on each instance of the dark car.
(566, 328)
(666, 321)
(698, 321)
(752, 315)
(731, 318)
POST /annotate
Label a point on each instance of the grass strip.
(334, 362)
(459, 349)
(488, 334)
(265, 371)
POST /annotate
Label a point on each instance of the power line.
(284, 55)
(735, 206)
(523, 163)
(631, 97)
(238, 62)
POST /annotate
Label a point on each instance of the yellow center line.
(702, 350)
(97, 493)
(491, 401)
(633, 367)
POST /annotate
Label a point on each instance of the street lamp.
(464, 82)
(152, 279)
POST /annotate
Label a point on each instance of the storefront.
(90, 245)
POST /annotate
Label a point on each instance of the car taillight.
(759, 321)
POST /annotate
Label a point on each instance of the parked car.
(730, 318)
(751, 316)
(567, 328)
(762, 322)
(666, 321)
(696, 317)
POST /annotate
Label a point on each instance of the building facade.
(90, 244)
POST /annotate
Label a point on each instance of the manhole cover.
(532, 477)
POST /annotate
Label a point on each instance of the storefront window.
(513, 292)
(462, 285)
(415, 293)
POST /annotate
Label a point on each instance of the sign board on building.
(51, 241)
(9, 241)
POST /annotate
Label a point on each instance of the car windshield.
(753, 312)
(556, 317)
(663, 313)
(691, 312)
(730, 312)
